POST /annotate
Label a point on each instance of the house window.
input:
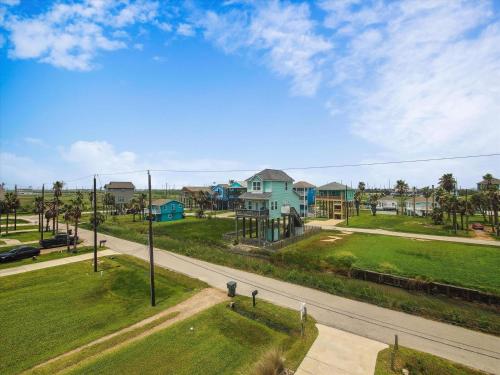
(274, 205)
(256, 185)
(249, 205)
(286, 185)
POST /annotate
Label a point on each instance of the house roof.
(272, 175)
(119, 185)
(335, 186)
(258, 196)
(303, 185)
(162, 201)
(194, 189)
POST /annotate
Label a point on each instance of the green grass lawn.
(19, 227)
(418, 363)
(472, 266)
(26, 236)
(222, 342)
(401, 223)
(48, 312)
(44, 257)
(184, 237)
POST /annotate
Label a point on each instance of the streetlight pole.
(94, 201)
(43, 209)
(151, 259)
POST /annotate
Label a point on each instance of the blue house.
(307, 194)
(227, 196)
(167, 210)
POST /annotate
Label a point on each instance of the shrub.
(272, 363)
(343, 260)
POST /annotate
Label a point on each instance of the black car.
(57, 240)
(20, 252)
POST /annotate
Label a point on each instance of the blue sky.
(104, 86)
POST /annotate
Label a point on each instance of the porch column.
(272, 230)
(236, 225)
(257, 222)
(244, 227)
(251, 227)
(279, 236)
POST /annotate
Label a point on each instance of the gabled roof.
(195, 189)
(238, 185)
(272, 175)
(334, 186)
(162, 201)
(119, 185)
(258, 196)
(303, 185)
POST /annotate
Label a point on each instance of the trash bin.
(231, 288)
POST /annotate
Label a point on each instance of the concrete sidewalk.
(337, 352)
(384, 232)
(471, 348)
(53, 263)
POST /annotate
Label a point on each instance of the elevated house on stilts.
(270, 208)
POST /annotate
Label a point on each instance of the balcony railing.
(252, 213)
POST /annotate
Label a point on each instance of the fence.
(429, 287)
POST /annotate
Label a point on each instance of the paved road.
(465, 346)
(431, 237)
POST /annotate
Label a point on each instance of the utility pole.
(414, 197)
(346, 206)
(43, 209)
(433, 197)
(151, 260)
(466, 213)
(94, 201)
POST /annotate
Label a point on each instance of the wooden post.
(236, 227)
(396, 343)
(272, 230)
(151, 260)
(94, 201)
(244, 227)
(251, 227)
(279, 227)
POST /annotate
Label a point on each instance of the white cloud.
(421, 77)
(10, 2)
(185, 29)
(284, 32)
(71, 35)
(35, 141)
(138, 46)
(159, 59)
(24, 171)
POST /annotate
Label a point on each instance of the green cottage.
(270, 209)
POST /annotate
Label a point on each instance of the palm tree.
(373, 201)
(358, 196)
(57, 188)
(39, 211)
(68, 216)
(3, 208)
(135, 207)
(427, 193)
(76, 213)
(447, 182)
(10, 203)
(401, 189)
(492, 194)
(15, 205)
(142, 204)
(49, 214)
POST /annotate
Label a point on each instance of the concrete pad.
(338, 352)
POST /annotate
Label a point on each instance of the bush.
(437, 216)
(272, 363)
(343, 260)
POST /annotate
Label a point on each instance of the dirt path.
(201, 301)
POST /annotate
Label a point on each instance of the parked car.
(477, 226)
(20, 252)
(57, 240)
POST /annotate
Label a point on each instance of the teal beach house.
(167, 210)
(270, 209)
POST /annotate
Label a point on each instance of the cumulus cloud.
(185, 29)
(70, 35)
(284, 34)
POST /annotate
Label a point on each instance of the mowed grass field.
(48, 312)
(402, 223)
(472, 266)
(217, 341)
(26, 236)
